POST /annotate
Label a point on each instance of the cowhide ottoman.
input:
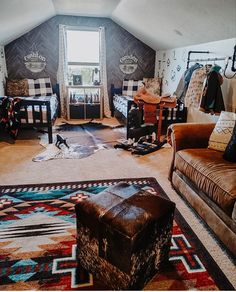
(124, 235)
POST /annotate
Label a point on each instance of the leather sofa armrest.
(187, 136)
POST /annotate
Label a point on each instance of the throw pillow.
(230, 151)
(130, 87)
(40, 87)
(222, 132)
(17, 87)
(153, 85)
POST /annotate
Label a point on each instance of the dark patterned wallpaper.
(45, 38)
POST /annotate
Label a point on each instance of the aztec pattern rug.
(82, 140)
(38, 242)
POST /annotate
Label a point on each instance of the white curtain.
(104, 93)
(3, 71)
(62, 70)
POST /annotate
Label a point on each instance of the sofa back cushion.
(223, 131)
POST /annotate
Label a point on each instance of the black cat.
(61, 140)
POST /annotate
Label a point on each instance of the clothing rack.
(203, 59)
(233, 68)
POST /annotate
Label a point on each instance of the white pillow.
(223, 131)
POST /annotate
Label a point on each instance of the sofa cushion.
(213, 175)
(223, 131)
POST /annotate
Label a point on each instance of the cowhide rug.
(83, 141)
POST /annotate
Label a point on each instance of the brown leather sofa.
(204, 178)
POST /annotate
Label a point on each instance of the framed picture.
(77, 79)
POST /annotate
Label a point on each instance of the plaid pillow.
(130, 87)
(40, 87)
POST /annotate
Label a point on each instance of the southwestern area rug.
(38, 242)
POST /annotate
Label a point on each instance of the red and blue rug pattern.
(38, 242)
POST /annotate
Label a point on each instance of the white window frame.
(86, 28)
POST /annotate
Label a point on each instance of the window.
(83, 57)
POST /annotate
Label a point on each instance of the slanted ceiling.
(161, 24)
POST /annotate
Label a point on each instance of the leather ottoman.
(124, 235)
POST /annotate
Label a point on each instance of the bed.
(36, 104)
(121, 103)
(39, 112)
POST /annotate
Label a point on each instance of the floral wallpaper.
(3, 70)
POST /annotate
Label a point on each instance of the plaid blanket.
(9, 115)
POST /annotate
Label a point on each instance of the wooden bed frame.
(37, 116)
(170, 116)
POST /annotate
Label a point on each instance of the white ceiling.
(161, 24)
(20, 16)
(176, 23)
(102, 8)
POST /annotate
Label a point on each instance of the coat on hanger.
(212, 98)
(182, 87)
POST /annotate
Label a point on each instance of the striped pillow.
(223, 131)
(130, 87)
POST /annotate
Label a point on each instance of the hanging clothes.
(183, 84)
(195, 88)
(229, 94)
(212, 98)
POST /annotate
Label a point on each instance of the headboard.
(114, 90)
